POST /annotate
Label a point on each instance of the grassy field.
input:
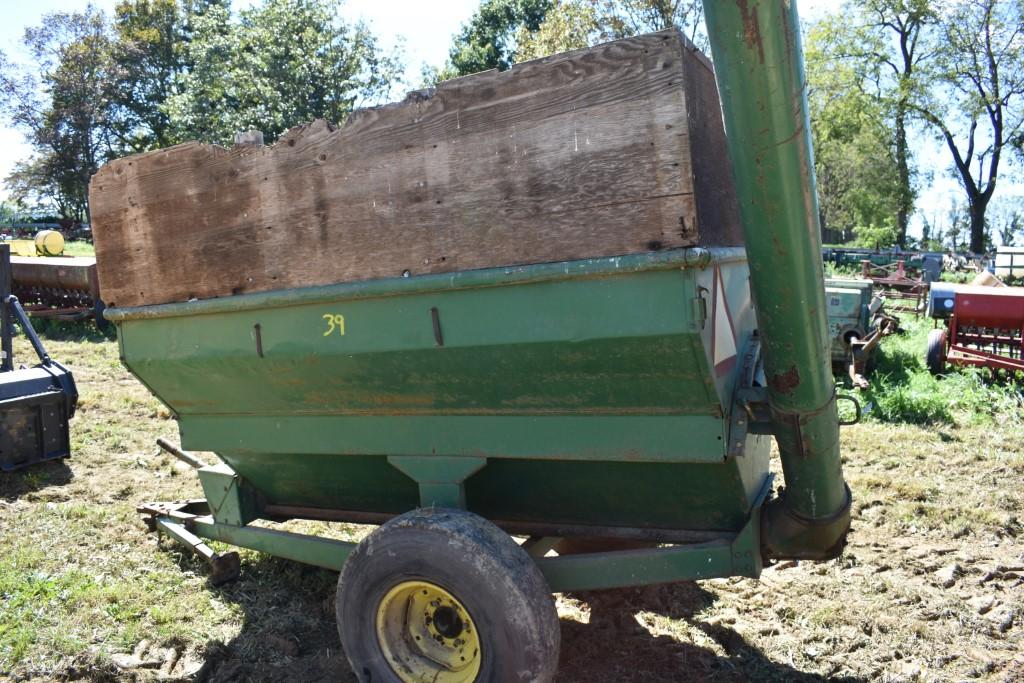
(931, 586)
(79, 248)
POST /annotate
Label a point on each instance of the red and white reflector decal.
(723, 332)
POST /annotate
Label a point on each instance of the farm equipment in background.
(981, 327)
(45, 243)
(60, 288)
(929, 263)
(51, 285)
(905, 289)
(36, 402)
(857, 322)
(1009, 263)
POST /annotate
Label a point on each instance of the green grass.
(79, 248)
(903, 391)
(961, 277)
(839, 270)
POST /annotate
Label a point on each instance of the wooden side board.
(590, 153)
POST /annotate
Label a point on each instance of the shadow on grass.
(289, 633)
(42, 475)
(613, 646)
(73, 330)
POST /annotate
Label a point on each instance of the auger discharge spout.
(759, 68)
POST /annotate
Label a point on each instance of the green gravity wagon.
(540, 326)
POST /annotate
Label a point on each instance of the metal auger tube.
(759, 68)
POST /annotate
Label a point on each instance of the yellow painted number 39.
(335, 321)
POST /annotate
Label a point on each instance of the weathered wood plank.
(579, 155)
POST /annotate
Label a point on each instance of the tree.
(566, 26)
(956, 66)
(1006, 220)
(504, 32)
(902, 22)
(931, 234)
(856, 164)
(488, 39)
(149, 57)
(958, 224)
(64, 106)
(883, 43)
(623, 18)
(201, 108)
(282, 63)
(34, 182)
(977, 102)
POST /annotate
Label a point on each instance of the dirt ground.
(930, 588)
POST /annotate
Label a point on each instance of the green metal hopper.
(526, 395)
(625, 400)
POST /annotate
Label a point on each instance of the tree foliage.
(856, 165)
(624, 18)
(148, 50)
(282, 63)
(566, 26)
(882, 44)
(163, 71)
(488, 39)
(1006, 221)
(955, 67)
(65, 108)
(974, 96)
(504, 32)
(573, 24)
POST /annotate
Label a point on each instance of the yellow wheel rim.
(426, 634)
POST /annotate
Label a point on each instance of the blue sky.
(424, 29)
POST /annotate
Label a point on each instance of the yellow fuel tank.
(45, 243)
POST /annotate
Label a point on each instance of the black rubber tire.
(501, 587)
(101, 321)
(935, 358)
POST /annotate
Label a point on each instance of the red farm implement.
(984, 327)
(904, 288)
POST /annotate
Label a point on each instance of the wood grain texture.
(591, 153)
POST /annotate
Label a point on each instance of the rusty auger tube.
(759, 68)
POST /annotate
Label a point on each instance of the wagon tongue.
(759, 67)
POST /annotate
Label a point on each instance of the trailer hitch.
(177, 520)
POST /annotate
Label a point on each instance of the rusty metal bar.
(223, 566)
(184, 456)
